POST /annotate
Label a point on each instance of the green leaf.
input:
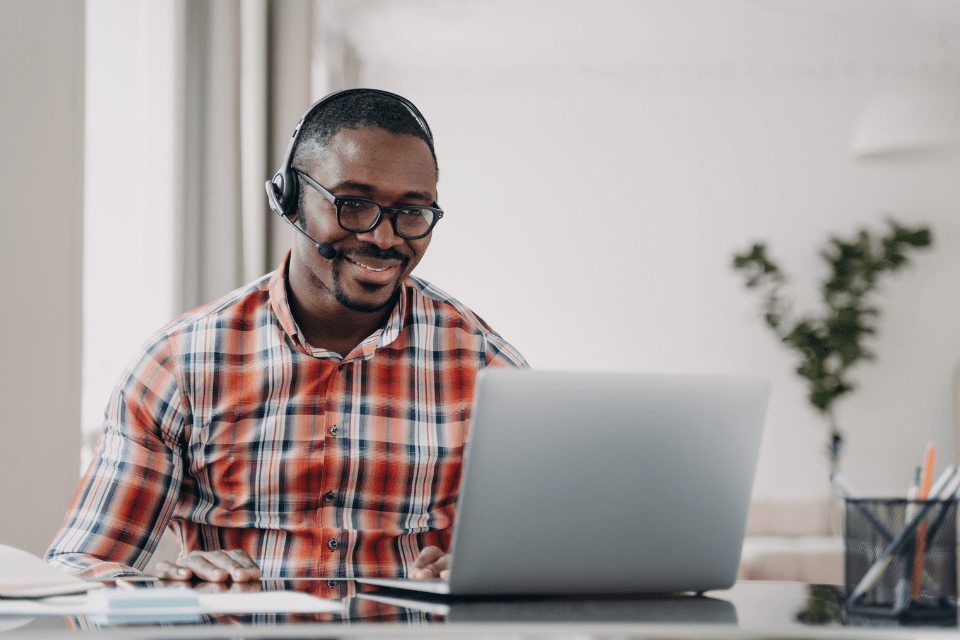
(828, 344)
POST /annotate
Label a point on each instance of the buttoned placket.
(333, 428)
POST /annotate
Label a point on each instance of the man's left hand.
(430, 564)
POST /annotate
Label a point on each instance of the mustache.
(368, 250)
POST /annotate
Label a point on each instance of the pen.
(842, 486)
(945, 487)
(913, 493)
(938, 522)
(901, 591)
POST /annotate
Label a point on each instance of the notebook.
(603, 483)
(24, 575)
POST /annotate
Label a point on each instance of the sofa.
(793, 539)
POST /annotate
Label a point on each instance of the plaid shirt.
(233, 431)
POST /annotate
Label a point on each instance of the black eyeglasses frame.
(392, 212)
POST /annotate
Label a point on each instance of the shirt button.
(334, 430)
(329, 496)
(332, 584)
(333, 544)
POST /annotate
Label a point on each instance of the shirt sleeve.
(129, 492)
(500, 353)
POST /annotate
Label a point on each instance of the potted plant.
(829, 343)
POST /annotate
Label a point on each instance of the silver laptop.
(602, 483)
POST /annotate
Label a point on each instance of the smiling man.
(311, 423)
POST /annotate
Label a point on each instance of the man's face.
(391, 169)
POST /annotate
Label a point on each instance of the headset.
(283, 189)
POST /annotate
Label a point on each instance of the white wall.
(611, 248)
(41, 178)
(132, 196)
(593, 211)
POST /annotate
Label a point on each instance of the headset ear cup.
(282, 194)
(290, 192)
(286, 188)
(273, 194)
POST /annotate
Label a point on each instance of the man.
(311, 423)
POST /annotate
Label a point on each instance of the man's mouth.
(372, 264)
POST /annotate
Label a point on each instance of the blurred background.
(600, 164)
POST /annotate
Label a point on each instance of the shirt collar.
(382, 337)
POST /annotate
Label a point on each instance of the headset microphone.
(325, 249)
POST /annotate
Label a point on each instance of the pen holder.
(901, 559)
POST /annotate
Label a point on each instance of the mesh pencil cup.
(901, 559)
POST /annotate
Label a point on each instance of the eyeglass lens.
(360, 215)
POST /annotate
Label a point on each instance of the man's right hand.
(431, 563)
(213, 566)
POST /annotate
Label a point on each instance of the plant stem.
(835, 443)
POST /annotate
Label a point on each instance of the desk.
(748, 610)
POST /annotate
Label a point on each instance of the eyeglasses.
(359, 215)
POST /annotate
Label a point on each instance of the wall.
(595, 201)
(41, 152)
(133, 192)
(611, 250)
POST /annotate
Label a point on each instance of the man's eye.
(411, 213)
(354, 204)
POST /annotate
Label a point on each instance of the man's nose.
(383, 234)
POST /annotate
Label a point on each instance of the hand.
(431, 563)
(212, 566)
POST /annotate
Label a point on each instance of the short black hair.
(355, 110)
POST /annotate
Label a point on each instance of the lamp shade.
(909, 118)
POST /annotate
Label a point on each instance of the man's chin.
(363, 296)
(371, 302)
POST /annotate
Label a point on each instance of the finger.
(214, 566)
(249, 571)
(232, 564)
(169, 571)
(427, 556)
(236, 563)
(438, 569)
(429, 573)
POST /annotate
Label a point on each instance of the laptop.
(602, 483)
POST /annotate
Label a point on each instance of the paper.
(24, 575)
(267, 602)
(251, 602)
